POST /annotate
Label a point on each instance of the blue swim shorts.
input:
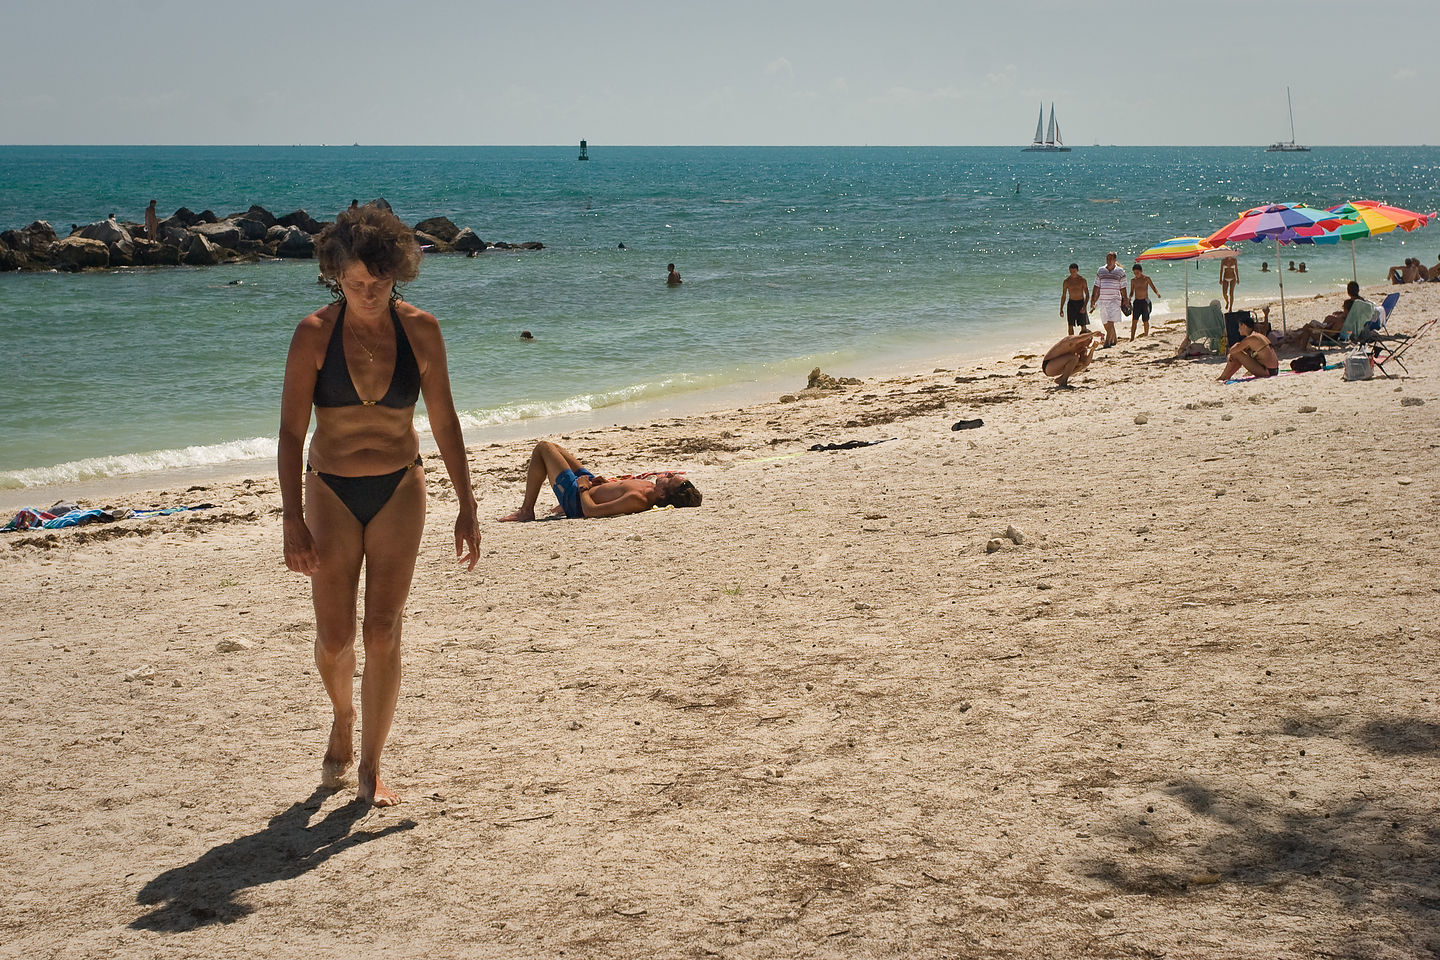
(567, 491)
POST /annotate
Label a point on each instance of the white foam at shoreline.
(95, 468)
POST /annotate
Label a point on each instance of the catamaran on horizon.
(1288, 146)
(1051, 142)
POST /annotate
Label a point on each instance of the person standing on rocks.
(362, 363)
(152, 223)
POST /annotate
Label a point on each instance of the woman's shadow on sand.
(203, 892)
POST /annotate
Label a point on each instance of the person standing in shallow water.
(673, 278)
(362, 363)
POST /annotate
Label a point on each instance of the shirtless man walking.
(1073, 294)
(582, 494)
(1141, 286)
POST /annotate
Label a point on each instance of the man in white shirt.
(1109, 292)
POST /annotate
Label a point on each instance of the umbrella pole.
(1353, 269)
(1187, 288)
(1284, 328)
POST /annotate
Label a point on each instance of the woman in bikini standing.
(362, 362)
(1229, 277)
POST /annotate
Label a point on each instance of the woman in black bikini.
(363, 500)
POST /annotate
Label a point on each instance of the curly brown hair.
(372, 236)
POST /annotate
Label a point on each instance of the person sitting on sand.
(1253, 351)
(1330, 326)
(582, 494)
(1070, 356)
(1411, 272)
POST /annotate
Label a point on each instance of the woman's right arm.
(295, 401)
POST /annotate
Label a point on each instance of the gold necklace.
(370, 354)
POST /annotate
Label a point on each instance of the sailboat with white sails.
(1288, 146)
(1051, 142)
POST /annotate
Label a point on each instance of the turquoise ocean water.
(850, 258)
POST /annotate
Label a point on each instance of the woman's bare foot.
(340, 753)
(374, 791)
(520, 516)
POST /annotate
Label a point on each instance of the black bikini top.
(335, 388)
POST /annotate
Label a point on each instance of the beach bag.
(1308, 362)
(1358, 367)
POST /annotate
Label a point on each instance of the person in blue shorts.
(582, 494)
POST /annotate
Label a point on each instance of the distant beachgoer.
(1433, 273)
(1253, 352)
(361, 501)
(621, 247)
(1109, 292)
(1073, 293)
(526, 335)
(1141, 286)
(1411, 272)
(1264, 267)
(1017, 188)
(1070, 356)
(354, 204)
(1302, 267)
(1229, 276)
(152, 223)
(1292, 266)
(581, 493)
(673, 279)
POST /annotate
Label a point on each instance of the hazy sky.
(719, 72)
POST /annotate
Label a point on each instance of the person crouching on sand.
(581, 493)
(1070, 356)
(362, 362)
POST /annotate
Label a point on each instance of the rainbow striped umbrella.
(1281, 222)
(1186, 249)
(1366, 218)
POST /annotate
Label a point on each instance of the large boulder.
(532, 245)
(301, 219)
(202, 253)
(122, 253)
(206, 216)
(34, 240)
(151, 254)
(184, 216)
(173, 231)
(77, 253)
(251, 227)
(295, 244)
(439, 227)
(381, 203)
(467, 242)
(11, 259)
(224, 233)
(256, 212)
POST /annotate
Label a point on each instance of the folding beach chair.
(1361, 313)
(1387, 309)
(1388, 342)
(1206, 323)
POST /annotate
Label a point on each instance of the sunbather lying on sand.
(582, 494)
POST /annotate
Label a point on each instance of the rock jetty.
(205, 239)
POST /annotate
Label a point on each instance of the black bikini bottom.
(364, 496)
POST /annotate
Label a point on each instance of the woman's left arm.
(424, 332)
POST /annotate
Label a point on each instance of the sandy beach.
(1186, 709)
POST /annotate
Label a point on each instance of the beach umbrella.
(1280, 222)
(1366, 218)
(1186, 249)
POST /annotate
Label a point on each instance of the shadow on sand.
(1368, 853)
(204, 892)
